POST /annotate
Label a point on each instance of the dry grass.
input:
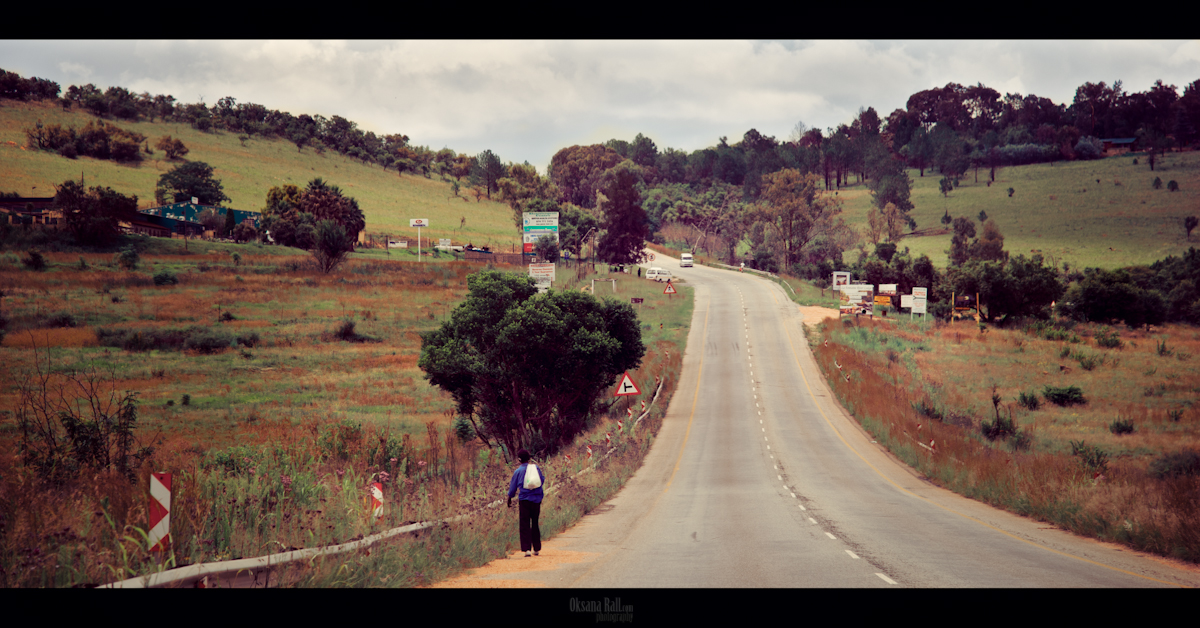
(954, 368)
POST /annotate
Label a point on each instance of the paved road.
(759, 479)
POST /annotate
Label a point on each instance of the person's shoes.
(526, 554)
(535, 552)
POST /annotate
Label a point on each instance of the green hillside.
(247, 172)
(1061, 210)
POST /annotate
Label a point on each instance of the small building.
(184, 218)
(143, 227)
(1116, 145)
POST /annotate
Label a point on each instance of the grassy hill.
(1061, 210)
(247, 173)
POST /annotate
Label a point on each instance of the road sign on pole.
(626, 387)
(670, 289)
(418, 223)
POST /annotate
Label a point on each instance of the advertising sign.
(418, 222)
(889, 289)
(443, 241)
(922, 293)
(857, 299)
(542, 273)
(918, 306)
(840, 278)
(398, 244)
(906, 300)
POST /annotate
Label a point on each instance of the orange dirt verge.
(515, 564)
(813, 315)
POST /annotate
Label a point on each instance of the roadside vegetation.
(1051, 420)
(275, 394)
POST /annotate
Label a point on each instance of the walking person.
(529, 505)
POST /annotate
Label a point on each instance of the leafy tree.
(327, 202)
(797, 210)
(211, 219)
(546, 249)
(229, 224)
(523, 186)
(331, 245)
(174, 148)
(530, 370)
(1020, 287)
(945, 186)
(192, 179)
(964, 230)
(624, 227)
(990, 245)
(576, 171)
(93, 215)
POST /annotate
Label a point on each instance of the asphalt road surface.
(759, 478)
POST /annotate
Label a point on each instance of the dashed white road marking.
(886, 579)
(852, 555)
(814, 521)
(831, 536)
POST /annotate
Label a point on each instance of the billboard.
(418, 222)
(535, 226)
(857, 299)
(840, 278)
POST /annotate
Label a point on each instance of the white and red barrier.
(160, 512)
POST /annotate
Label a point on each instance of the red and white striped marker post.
(377, 500)
(629, 411)
(607, 438)
(620, 425)
(160, 512)
(589, 449)
(643, 405)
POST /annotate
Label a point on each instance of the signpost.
(840, 278)
(418, 223)
(543, 275)
(627, 387)
(537, 225)
(919, 297)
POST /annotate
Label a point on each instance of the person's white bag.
(533, 479)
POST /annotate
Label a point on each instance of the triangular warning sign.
(670, 289)
(626, 387)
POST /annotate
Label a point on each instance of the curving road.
(758, 478)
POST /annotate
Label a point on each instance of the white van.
(685, 260)
(658, 274)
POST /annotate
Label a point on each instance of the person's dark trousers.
(530, 533)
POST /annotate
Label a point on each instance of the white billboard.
(418, 222)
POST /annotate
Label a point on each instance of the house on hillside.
(1118, 145)
(24, 210)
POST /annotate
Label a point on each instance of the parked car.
(658, 274)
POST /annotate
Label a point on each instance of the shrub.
(1108, 338)
(1089, 361)
(1063, 395)
(1094, 459)
(1010, 192)
(186, 400)
(345, 331)
(464, 429)
(78, 422)
(34, 261)
(1003, 427)
(926, 409)
(127, 258)
(207, 341)
(1029, 400)
(1172, 185)
(165, 278)
(1157, 184)
(226, 316)
(62, 319)
(1180, 463)
(1162, 349)
(250, 340)
(1121, 426)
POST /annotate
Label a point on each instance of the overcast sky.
(525, 100)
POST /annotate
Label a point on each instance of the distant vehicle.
(658, 274)
(685, 260)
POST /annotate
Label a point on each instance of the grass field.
(247, 172)
(911, 384)
(1060, 210)
(273, 441)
